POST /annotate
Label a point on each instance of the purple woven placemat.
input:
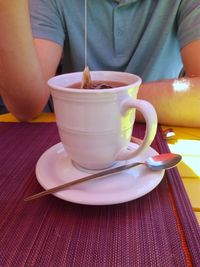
(158, 229)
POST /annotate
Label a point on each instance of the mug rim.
(55, 86)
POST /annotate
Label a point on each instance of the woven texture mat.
(158, 229)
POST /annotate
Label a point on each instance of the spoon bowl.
(163, 161)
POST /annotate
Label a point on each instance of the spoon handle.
(81, 180)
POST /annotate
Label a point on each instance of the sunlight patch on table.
(190, 151)
(186, 147)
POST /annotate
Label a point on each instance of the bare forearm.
(22, 84)
(177, 102)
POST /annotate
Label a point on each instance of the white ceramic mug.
(95, 126)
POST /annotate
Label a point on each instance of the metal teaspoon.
(155, 163)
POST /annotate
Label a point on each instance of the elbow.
(26, 110)
(25, 114)
(25, 117)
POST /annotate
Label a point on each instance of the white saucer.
(54, 168)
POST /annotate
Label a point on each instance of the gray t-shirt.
(138, 36)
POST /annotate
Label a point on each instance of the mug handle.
(151, 120)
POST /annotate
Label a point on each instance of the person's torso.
(134, 36)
